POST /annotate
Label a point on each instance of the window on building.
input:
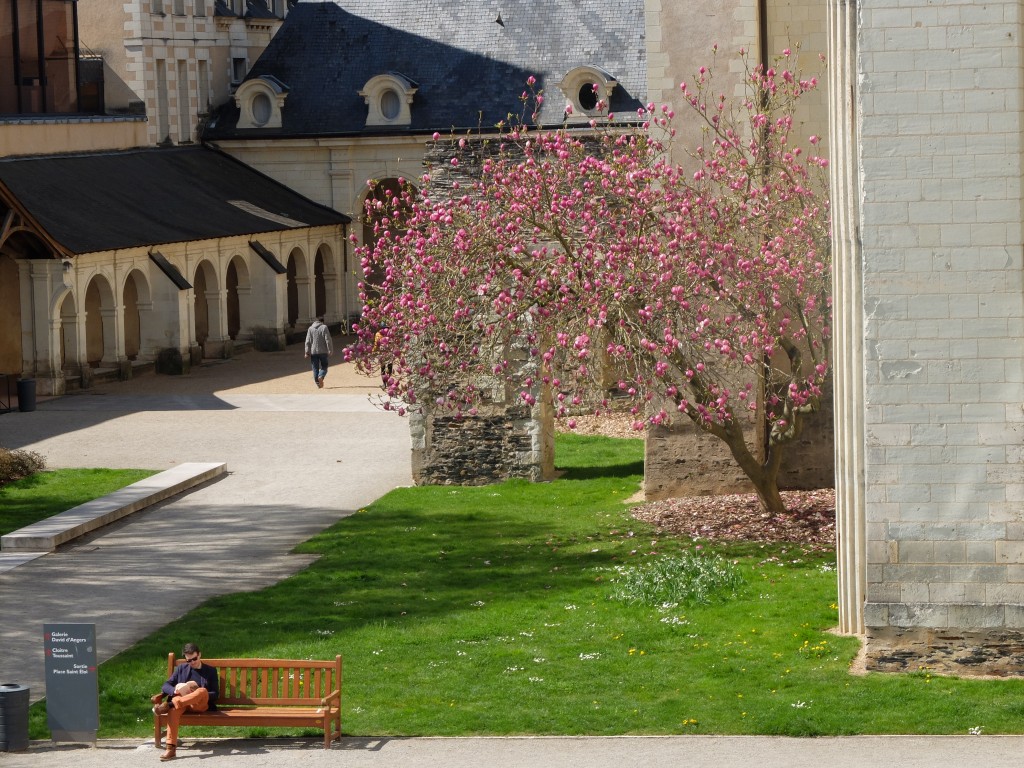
(388, 99)
(588, 90)
(158, 6)
(238, 70)
(163, 129)
(204, 86)
(390, 104)
(184, 113)
(200, 8)
(261, 102)
(37, 57)
(179, 7)
(261, 109)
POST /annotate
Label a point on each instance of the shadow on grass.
(592, 473)
(398, 564)
(589, 457)
(415, 563)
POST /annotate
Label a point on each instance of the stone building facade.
(173, 60)
(325, 130)
(929, 316)
(97, 285)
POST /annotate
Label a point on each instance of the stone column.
(848, 339)
(42, 283)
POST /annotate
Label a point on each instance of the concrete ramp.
(48, 534)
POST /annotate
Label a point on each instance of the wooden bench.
(270, 692)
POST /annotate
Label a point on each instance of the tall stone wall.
(939, 156)
(682, 460)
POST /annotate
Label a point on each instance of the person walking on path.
(193, 686)
(318, 347)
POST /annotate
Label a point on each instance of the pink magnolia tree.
(574, 264)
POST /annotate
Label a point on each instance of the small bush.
(15, 465)
(671, 580)
(266, 339)
(169, 362)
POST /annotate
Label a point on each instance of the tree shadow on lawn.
(399, 562)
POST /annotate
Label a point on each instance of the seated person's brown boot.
(169, 754)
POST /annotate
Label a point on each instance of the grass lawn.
(464, 611)
(44, 494)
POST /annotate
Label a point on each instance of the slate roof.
(470, 69)
(144, 197)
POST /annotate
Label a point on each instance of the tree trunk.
(763, 475)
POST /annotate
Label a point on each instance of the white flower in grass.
(589, 656)
(378, 652)
(800, 705)
(478, 604)
(513, 669)
(536, 679)
(570, 607)
(539, 660)
(976, 730)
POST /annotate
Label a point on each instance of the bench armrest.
(334, 696)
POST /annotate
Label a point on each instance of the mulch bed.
(810, 520)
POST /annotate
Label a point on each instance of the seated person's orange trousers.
(197, 701)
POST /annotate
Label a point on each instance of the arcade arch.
(100, 333)
(10, 316)
(137, 307)
(207, 305)
(70, 361)
(298, 288)
(239, 298)
(384, 191)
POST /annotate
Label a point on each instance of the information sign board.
(72, 682)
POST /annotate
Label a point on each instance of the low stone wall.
(476, 450)
(974, 653)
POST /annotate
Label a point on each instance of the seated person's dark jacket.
(205, 676)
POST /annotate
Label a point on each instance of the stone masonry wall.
(479, 450)
(681, 460)
(939, 103)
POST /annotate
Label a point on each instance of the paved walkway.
(298, 459)
(548, 752)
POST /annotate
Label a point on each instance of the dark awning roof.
(271, 260)
(172, 272)
(147, 197)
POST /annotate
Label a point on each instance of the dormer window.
(589, 91)
(389, 97)
(260, 102)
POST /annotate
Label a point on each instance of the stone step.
(46, 535)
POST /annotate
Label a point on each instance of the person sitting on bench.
(192, 687)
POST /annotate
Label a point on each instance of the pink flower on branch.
(699, 284)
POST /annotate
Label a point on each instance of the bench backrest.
(272, 681)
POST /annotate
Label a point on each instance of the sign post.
(72, 682)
